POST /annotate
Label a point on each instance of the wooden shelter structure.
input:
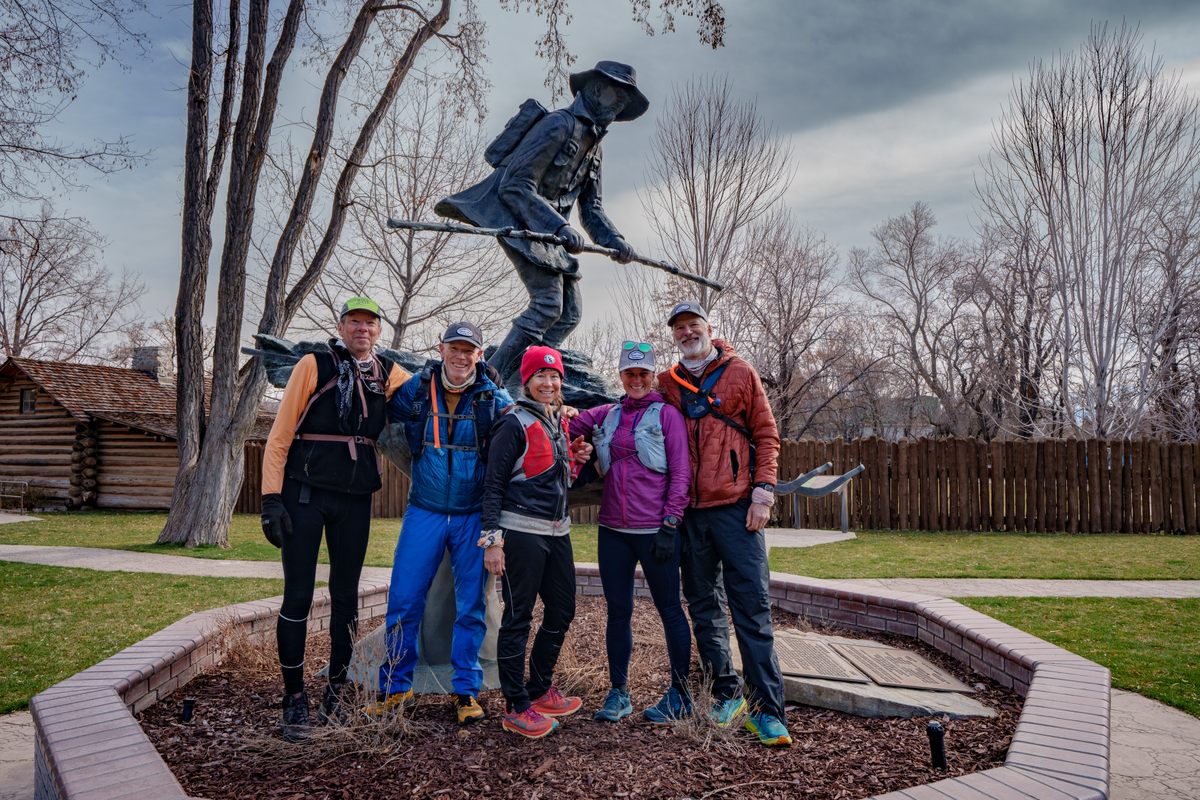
(89, 435)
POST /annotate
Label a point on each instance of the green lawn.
(888, 554)
(126, 530)
(1149, 644)
(55, 622)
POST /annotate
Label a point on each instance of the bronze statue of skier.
(545, 163)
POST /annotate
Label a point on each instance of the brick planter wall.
(88, 745)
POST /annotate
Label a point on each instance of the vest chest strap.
(350, 441)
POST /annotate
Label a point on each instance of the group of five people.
(688, 456)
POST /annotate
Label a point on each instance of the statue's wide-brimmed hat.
(616, 72)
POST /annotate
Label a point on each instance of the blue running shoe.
(726, 712)
(616, 706)
(769, 729)
(673, 707)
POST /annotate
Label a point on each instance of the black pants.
(717, 544)
(346, 522)
(619, 553)
(534, 566)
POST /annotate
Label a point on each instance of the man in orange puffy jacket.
(734, 448)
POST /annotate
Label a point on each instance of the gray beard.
(696, 366)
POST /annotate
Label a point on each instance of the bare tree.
(1014, 335)
(158, 333)
(374, 31)
(1097, 143)
(782, 313)
(426, 149)
(47, 48)
(715, 168)
(57, 301)
(915, 281)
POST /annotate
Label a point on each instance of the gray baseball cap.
(463, 332)
(687, 307)
(636, 355)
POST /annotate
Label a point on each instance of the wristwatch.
(671, 522)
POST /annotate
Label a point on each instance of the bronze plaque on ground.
(811, 658)
(891, 666)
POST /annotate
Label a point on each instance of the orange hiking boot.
(553, 704)
(397, 702)
(529, 723)
(467, 709)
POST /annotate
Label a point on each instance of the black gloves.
(572, 239)
(276, 523)
(663, 547)
(625, 253)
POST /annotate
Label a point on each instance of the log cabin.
(87, 435)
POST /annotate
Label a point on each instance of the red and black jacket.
(528, 473)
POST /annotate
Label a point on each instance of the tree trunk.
(210, 451)
(205, 493)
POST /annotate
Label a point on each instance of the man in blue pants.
(447, 410)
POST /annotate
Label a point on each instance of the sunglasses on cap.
(645, 347)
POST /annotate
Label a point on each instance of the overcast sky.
(885, 102)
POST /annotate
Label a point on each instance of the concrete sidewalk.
(132, 561)
(1023, 587)
(1155, 748)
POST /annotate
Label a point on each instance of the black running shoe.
(332, 709)
(296, 726)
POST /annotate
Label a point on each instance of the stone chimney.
(145, 359)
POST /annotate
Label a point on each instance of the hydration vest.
(647, 438)
(542, 450)
(332, 452)
(419, 434)
(699, 401)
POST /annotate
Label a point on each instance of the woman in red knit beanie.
(526, 536)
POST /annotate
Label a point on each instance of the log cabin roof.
(126, 396)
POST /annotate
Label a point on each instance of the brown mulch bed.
(231, 749)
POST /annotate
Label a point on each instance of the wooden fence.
(1088, 486)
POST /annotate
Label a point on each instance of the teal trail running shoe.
(673, 707)
(724, 712)
(616, 706)
(769, 729)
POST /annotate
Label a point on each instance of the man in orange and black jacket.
(734, 448)
(320, 468)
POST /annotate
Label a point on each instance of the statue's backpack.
(514, 131)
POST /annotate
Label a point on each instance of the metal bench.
(815, 483)
(14, 490)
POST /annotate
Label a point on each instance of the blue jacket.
(447, 479)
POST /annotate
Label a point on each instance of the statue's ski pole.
(548, 238)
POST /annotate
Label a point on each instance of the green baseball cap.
(360, 304)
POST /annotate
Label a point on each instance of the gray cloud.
(888, 102)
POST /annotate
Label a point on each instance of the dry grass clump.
(236, 648)
(575, 673)
(255, 657)
(702, 732)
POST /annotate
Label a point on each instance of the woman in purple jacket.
(642, 452)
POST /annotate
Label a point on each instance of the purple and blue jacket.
(635, 497)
